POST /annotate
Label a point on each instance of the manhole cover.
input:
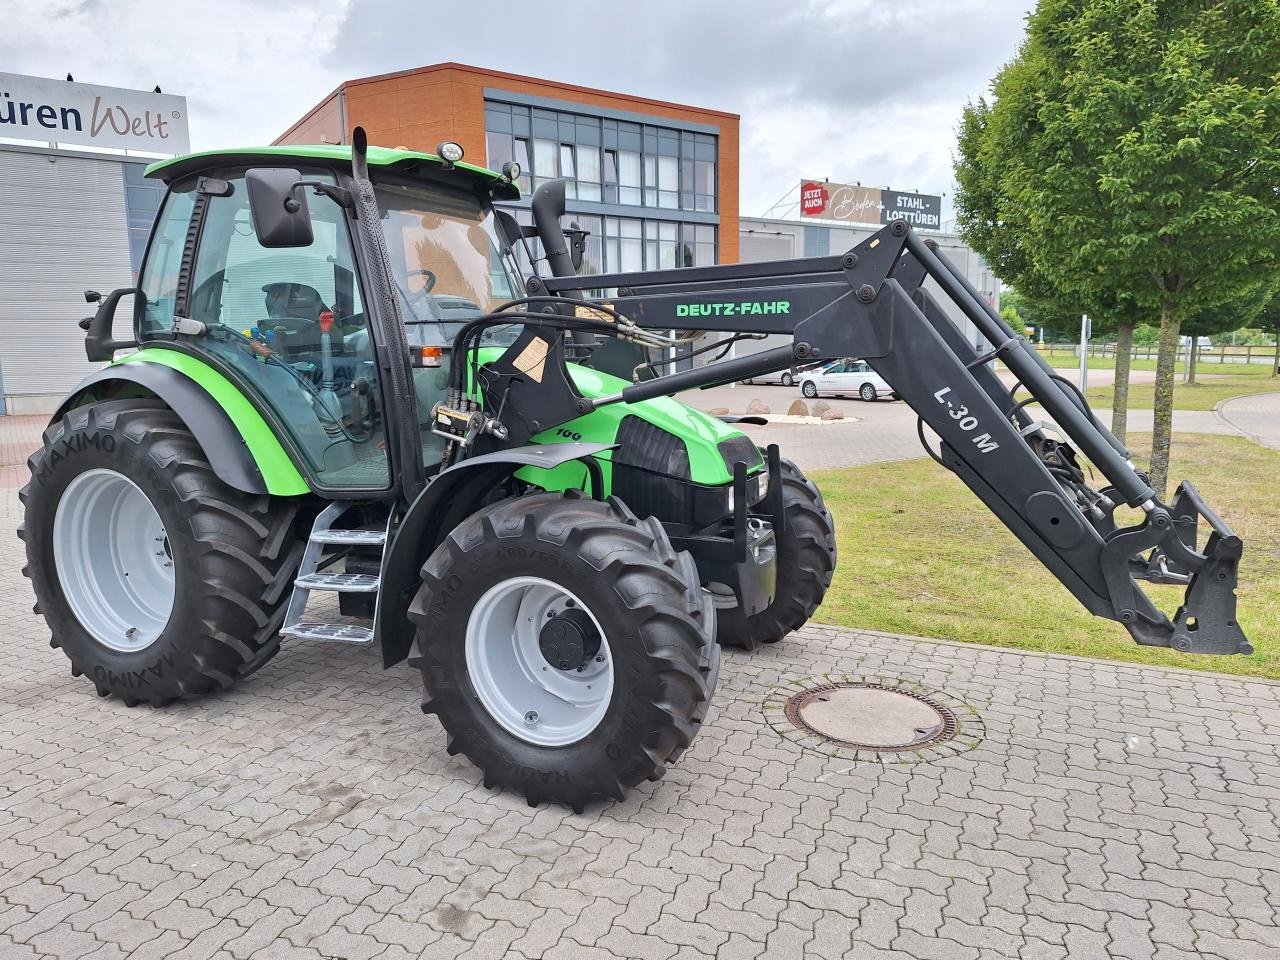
(867, 719)
(871, 716)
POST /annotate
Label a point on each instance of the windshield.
(446, 265)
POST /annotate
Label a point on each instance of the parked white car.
(784, 377)
(849, 378)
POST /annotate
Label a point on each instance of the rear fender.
(265, 468)
(449, 498)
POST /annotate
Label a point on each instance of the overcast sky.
(852, 90)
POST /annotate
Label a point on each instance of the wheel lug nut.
(531, 718)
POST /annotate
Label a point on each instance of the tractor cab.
(254, 267)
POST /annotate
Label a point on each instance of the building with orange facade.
(655, 184)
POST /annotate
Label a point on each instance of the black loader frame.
(871, 303)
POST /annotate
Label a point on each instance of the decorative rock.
(819, 408)
(798, 409)
(757, 406)
(718, 411)
(832, 414)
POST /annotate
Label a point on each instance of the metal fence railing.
(1220, 354)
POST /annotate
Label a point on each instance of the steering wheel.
(428, 284)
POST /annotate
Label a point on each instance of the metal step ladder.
(310, 578)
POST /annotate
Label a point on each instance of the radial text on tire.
(156, 579)
(527, 610)
(806, 562)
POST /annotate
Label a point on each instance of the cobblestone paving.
(312, 812)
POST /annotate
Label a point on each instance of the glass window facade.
(667, 174)
(606, 160)
(618, 244)
(141, 203)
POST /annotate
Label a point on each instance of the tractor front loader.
(350, 417)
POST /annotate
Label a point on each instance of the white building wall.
(62, 231)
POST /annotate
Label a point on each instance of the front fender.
(449, 498)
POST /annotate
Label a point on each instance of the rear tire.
(231, 556)
(867, 392)
(788, 380)
(806, 563)
(654, 627)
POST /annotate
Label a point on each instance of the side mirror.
(509, 229)
(278, 207)
(577, 238)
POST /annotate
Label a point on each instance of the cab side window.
(159, 280)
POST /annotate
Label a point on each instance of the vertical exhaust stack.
(548, 208)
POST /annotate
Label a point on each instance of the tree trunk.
(1124, 360)
(1162, 429)
(1275, 367)
(1191, 361)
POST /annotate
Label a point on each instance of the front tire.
(806, 563)
(809, 389)
(533, 606)
(157, 580)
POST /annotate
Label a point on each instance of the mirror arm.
(339, 195)
(98, 345)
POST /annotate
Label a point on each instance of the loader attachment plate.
(1206, 621)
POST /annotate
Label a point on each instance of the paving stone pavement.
(1110, 811)
(1257, 417)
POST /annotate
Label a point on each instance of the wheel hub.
(538, 661)
(569, 640)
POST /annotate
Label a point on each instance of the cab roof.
(402, 161)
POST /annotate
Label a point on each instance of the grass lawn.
(1224, 380)
(919, 554)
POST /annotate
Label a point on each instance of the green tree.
(994, 225)
(1269, 319)
(1134, 147)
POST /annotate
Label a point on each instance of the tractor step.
(350, 538)
(338, 582)
(327, 546)
(336, 632)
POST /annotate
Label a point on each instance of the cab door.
(288, 325)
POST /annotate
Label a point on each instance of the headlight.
(758, 486)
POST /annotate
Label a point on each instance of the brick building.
(655, 183)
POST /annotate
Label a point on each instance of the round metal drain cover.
(868, 716)
(884, 720)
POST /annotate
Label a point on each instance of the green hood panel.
(702, 433)
(278, 471)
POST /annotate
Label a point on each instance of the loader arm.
(871, 303)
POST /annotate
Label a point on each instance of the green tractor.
(347, 415)
(275, 431)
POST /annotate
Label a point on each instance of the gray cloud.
(848, 89)
(851, 89)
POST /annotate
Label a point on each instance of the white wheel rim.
(111, 553)
(529, 697)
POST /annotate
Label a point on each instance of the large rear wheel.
(565, 646)
(157, 580)
(806, 562)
